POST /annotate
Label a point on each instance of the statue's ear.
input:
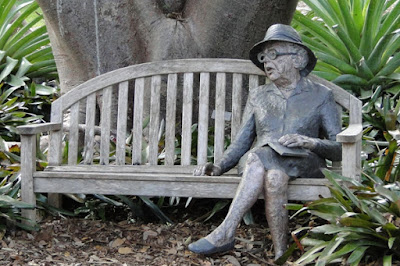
(300, 60)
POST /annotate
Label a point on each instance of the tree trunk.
(92, 37)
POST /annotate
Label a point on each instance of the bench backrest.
(218, 77)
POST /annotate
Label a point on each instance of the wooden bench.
(187, 81)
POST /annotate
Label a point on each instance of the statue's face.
(278, 61)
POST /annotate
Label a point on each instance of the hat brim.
(258, 47)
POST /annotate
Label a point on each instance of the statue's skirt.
(294, 167)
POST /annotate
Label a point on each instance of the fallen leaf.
(117, 242)
(232, 260)
(67, 254)
(125, 250)
(42, 243)
(148, 234)
(45, 235)
(172, 251)
(144, 249)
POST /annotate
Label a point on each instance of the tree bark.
(91, 37)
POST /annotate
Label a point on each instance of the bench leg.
(351, 160)
(55, 200)
(28, 167)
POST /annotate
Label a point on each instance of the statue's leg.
(275, 194)
(250, 187)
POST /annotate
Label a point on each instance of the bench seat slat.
(161, 184)
(140, 170)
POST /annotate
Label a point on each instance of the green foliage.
(25, 54)
(10, 185)
(24, 46)
(357, 43)
(361, 222)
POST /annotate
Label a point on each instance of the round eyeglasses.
(271, 54)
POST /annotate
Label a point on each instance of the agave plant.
(362, 222)
(25, 55)
(25, 46)
(356, 41)
(9, 204)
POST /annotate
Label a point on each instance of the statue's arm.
(329, 148)
(240, 145)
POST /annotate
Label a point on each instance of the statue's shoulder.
(255, 92)
(317, 87)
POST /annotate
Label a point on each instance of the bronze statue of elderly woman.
(292, 112)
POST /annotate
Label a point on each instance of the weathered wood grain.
(170, 119)
(138, 122)
(28, 167)
(73, 135)
(89, 130)
(105, 123)
(38, 128)
(202, 139)
(187, 109)
(219, 134)
(237, 81)
(154, 119)
(122, 122)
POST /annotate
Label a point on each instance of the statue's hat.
(283, 33)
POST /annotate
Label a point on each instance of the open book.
(286, 151)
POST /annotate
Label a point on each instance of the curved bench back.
(206, 77)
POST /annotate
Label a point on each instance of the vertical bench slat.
(187, 109)
(89, 129)
(253, 81)
(137, 122)
(122, 122)
(202, 138)
(55, 149)
(170, 119)
(73, 135)
(236, 104)
(154, 119)
(219, 116)
(54, 155)
(105, 121)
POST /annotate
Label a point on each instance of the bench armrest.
(38, 128)
(351, 134)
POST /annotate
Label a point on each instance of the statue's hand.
(207, 169)
(298, 141)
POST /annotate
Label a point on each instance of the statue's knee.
(276, 181)
(252, 158)
(254, 166)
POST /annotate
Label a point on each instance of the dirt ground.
(85, 242)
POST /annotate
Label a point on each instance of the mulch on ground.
(75, 241)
